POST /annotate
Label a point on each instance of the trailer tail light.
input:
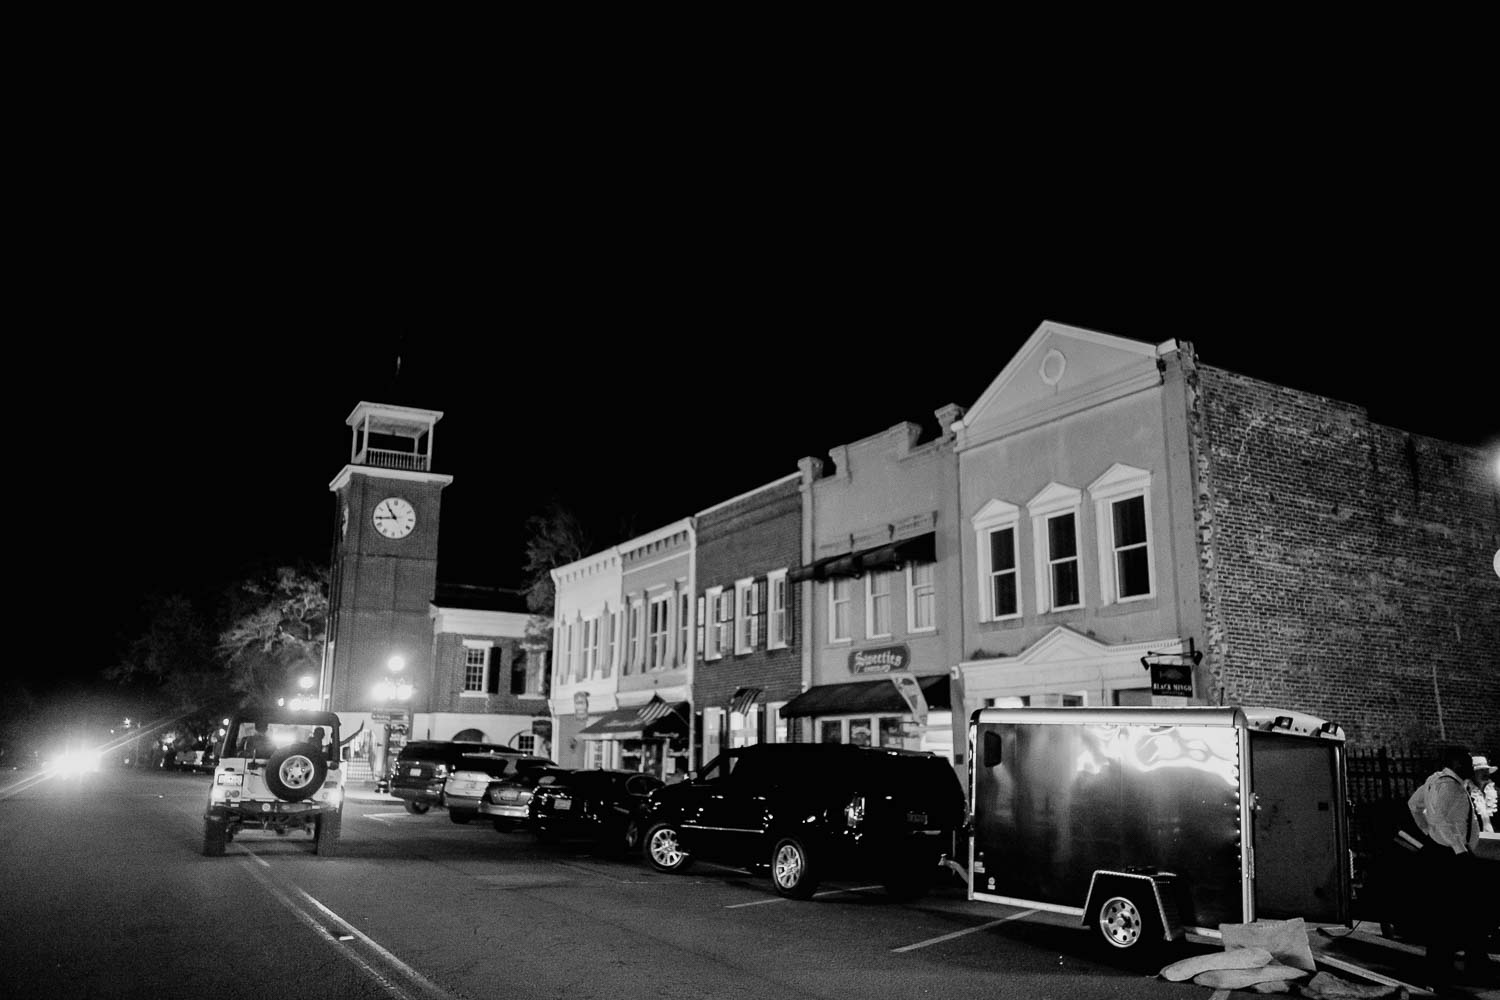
(854, 812)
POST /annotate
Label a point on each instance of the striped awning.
(653, 720)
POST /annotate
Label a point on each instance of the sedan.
(507, 801)
(464, 790)
(604, 806)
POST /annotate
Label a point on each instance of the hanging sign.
(1173, 679)
(911, 692)
(581, 706)
(542, 728)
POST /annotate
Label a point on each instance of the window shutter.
(492, 664)
(757, 604)
(789, 621)
(702, 624)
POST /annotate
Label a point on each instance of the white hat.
(1481, 764)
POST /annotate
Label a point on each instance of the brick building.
(747, 643)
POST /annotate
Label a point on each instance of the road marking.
(816, 895)
(959, 934)
(1219, 995)
(385, 816)
(342, 932)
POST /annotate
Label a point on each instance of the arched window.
(468, 736)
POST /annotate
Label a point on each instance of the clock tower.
(377, 665)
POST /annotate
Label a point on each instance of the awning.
(655, 719)
(918, 548)
(876, 697)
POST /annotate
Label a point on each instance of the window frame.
(658, 639)
(997, 516)
(711, 650)
(470, 647)
(590, 646)
(1119, 484)
(870, 603)
(1053, 502)
(776, 618)
(912, 598)
(833, 602)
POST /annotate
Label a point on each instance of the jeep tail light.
(854, 812)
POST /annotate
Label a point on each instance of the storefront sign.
(1175, 679)
(397, 715)
(880, 660)
(581, 706)
(542, 728)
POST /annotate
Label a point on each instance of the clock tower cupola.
(378, 662)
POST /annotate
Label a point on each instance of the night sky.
(641, 354)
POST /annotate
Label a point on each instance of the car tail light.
(441, 771)
(854, 812)
(494, 795)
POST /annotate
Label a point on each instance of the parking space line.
(970, 930)
(816, 895)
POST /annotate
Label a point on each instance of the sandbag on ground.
(1239, 958)
(1286, 940)
(1239, 979)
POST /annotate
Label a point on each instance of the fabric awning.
(876, 697)
(637, 723)
(918, 548)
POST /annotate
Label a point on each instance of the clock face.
(394, 517)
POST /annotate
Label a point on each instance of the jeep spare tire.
(294, 773)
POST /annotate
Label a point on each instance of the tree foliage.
(554, 538)
(275, 632)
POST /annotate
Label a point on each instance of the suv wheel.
(214, 838)
(664, 848)
(327, 834)
(791, 870)
(417, 808)
(294, 773)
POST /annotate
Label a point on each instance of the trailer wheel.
(1128, 925)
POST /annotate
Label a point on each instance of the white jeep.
(278, 770)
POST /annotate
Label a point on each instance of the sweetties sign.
(880, 660)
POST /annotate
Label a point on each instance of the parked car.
(808, 811)
(507, 800)
(475, 773)
(421, 768)
(194, 760)
(604, 806)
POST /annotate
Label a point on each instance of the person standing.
(1444, 812)
(1482, 790)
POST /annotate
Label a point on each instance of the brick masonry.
(1345, 565)
(748, 538)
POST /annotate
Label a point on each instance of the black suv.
(809, 811)
(419, 770)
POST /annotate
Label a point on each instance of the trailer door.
(1301, 856)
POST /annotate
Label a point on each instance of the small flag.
(743, 698)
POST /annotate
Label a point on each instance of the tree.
(554, 538)
(275, 633)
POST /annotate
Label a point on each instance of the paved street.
(107, 895)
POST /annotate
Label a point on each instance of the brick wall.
(1346, 565)
(449, 677)
(747, 538)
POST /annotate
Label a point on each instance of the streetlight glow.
(396, 663)
(305, 682)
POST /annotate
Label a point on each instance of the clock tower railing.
(385, 458)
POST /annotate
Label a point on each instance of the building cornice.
(350, 471)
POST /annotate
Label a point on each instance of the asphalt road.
(105, 894)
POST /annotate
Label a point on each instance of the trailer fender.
(1158, 886)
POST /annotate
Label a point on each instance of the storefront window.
(891, 734)
(859, 732)
(831, 731)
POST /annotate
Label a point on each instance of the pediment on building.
(1058, 370)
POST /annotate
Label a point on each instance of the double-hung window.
(1055, 523)
(476, 666)
(747, 615)
(776, 609)
(878, 605)
(657, 642)
(590, 646)
(1122, 510)
(921, 597)
(724, 623)
(995, 533)
(838, 609)
(712, 650)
